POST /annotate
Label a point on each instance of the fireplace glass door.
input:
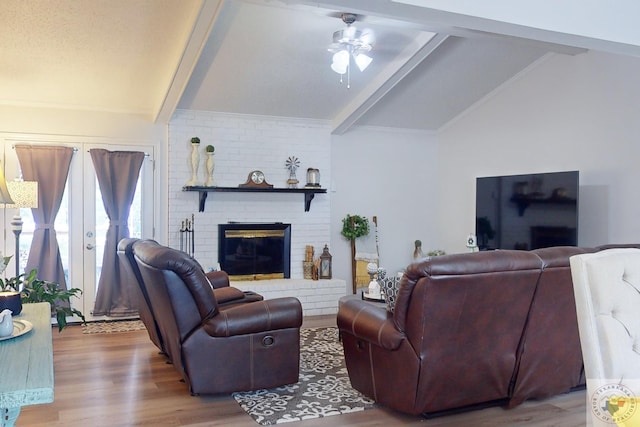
(255, 251)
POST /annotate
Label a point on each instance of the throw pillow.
(389, 285)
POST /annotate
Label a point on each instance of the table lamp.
(24, 195)
(8, 299)
(5, 197)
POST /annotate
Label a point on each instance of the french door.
(81, 223)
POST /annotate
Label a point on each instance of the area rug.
(323, 390)
(112, 326)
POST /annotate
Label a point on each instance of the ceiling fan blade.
(368, 36)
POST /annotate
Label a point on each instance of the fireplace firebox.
(250, 251)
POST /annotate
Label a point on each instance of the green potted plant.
(210, 148)
(35, 290)
(195, 140)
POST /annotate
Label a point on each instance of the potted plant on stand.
(354, 226)
(32, 290)
(210, 164)
(194, 161)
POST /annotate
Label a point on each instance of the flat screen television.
(527, 211)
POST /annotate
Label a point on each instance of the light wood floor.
(121, 380)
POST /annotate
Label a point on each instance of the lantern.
(325, 264)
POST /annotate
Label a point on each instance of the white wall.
(565, 113)
(393, 175)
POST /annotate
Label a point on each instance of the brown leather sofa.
(550, 355)
(242, 347)
(226, 295)
(469, 329)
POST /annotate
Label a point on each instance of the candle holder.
(313, 178)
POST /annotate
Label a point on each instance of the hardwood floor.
(120, 380)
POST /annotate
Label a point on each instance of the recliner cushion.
(228, 294)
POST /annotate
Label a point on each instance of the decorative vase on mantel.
(195, 161)
(210, 164)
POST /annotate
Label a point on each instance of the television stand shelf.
(309, 193)
(523, 202)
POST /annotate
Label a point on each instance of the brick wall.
(242, 144)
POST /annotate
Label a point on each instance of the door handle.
(90, 246)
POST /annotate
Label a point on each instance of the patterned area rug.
(323, 390)
(111, 326)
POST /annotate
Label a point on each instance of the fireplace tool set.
(187, 232)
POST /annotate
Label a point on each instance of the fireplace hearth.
(255, 251)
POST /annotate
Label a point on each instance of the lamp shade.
(23, 193)
(363, 61)
(5, 197)
(340, 62)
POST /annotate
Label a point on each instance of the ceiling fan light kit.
(350, 43)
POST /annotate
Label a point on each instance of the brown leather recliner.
(453, 338)
(132, 275)
(469, 329)
(225, 295)
(243, 347)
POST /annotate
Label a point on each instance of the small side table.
(26, 367)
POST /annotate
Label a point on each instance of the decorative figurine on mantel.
(292, 164)
(313, 178)
(194, 161)
(417, 251)
(210, 165)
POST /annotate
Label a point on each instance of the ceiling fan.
(350, 44)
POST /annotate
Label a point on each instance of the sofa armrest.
(370, 323)
(260, 316)
(218, 279)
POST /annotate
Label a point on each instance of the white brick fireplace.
(242, 144)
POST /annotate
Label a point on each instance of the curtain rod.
(75, 150)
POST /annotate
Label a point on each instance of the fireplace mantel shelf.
(309, 193)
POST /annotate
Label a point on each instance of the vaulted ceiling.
(266, 57)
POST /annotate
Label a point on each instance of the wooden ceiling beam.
(211, 12)
(414, 54)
